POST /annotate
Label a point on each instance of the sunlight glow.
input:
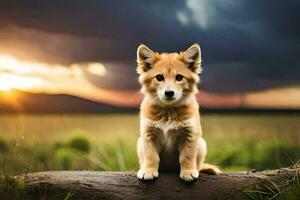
(11, 64)
(97, 69)
(10, 81)
(29, 76)
(4, 87)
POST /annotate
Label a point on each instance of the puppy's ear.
(145, 58)
(192, 58)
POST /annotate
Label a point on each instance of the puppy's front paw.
(147, 174)
(189, 175)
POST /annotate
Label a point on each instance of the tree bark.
(119, 185)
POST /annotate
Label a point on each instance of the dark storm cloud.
(247, 45)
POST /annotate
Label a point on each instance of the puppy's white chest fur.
(165, 126)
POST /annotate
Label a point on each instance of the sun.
(7, 94)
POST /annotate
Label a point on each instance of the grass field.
(107, 142)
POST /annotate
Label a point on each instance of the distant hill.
(17, 101)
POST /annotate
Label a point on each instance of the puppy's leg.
(140, 151)
(204, 167)
(188, 158)
(148, 158)
(201, 154)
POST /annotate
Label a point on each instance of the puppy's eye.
(179, 77)
(159, 77)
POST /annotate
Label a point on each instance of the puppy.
(170, 130)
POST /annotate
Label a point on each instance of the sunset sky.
(250, 49)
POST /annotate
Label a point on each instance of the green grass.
(270, 190)
(11, 187)
(107, 142)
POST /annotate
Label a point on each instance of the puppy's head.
(170, 78)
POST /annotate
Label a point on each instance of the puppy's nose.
(169, 94)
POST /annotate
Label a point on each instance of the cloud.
(33, 44)
(182, 18)
(205, 13)
(96, 69)
(36, 76)
(39, 77)
(245, 45)
(199, 12)
(61, 49)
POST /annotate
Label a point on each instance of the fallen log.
(119, 185)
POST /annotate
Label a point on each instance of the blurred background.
(69, 94)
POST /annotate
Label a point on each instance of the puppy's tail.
(209, 169)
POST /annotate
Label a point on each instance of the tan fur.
(170, 130)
